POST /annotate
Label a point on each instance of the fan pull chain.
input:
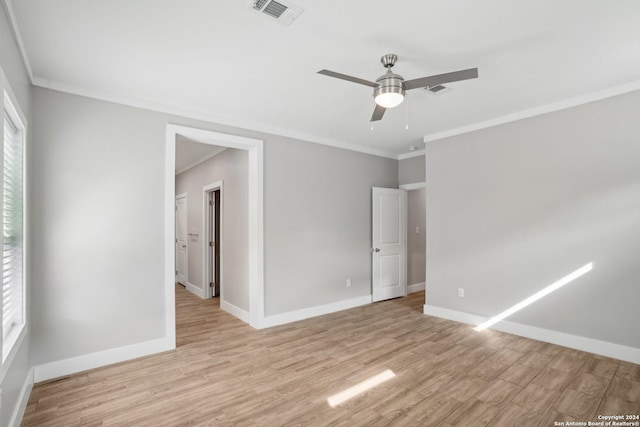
(406, 109)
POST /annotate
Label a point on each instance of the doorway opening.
(213, 243)
(253, 312)
(416, 236)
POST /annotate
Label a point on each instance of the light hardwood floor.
(224, 373)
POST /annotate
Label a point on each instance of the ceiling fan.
(389, 88)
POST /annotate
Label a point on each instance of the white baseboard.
(416, 287)
(85, 362)
(199, 292)
(458, 316)
(236, 311)
(305, 313)
(23, 399)
(603, 348)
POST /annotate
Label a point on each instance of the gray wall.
(416, 241)
(318, 222)
(411, 170)
(98, 179)
(97, 226)
(13, 375)
(513, 208)
(231, 167)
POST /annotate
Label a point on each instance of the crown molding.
(548, 108)
(8, 7)
(410, 154)
(205, 116)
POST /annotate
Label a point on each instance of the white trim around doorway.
(254, 147)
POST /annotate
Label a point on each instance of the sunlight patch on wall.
(535, 297)
(357, 389)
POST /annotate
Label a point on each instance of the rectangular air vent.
(283, 11)
(437, 89)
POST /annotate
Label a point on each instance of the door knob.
(375, 250)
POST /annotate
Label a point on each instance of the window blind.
(12, 196)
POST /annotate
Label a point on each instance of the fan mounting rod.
(389, 60)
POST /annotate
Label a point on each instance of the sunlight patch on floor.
(360, 388)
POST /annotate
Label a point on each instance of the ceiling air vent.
(284, 11)
(437, 89)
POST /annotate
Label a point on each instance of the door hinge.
(211, 284)
(176, 272)
(210, 244)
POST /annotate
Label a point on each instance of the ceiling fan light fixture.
(389, 99)
(390, 92)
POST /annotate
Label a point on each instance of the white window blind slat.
(12, 196)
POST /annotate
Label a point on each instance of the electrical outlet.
(461, 292)
(348, 283)
(417, 230)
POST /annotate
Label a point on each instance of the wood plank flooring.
(224, 373)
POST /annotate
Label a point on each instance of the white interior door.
(181, 239)
(389, 249)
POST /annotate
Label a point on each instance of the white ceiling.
(220, 60)
(190, 153)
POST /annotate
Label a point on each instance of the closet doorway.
(213, 242)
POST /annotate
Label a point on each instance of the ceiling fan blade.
(377, 113)
(348, 78)
(471, 73)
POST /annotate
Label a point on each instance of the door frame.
(254, 147)
(218, 185)
(186, 248)
(407, 188)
